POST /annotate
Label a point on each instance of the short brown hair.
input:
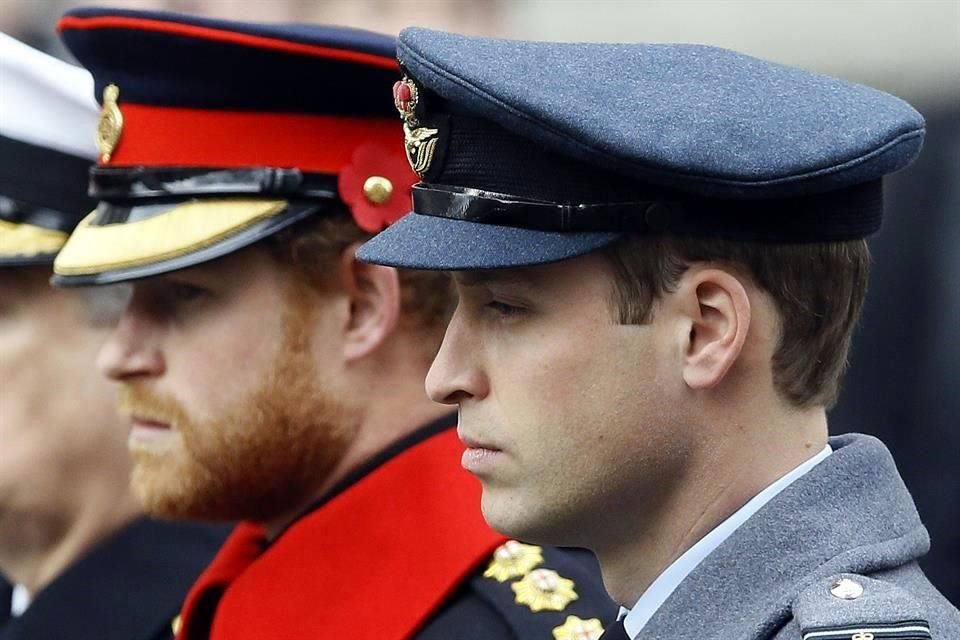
(818, 289)
(314, 245)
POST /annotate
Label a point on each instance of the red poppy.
(376, 186)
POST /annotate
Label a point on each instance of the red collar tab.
(414, 521)
(244, 545)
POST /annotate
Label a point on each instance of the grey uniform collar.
(851, 513)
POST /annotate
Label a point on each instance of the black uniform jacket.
(129, 587)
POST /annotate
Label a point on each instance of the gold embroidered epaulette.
(575, 628)
(544, 590)
(513, 559)
(539, 589)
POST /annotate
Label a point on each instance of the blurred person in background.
(267, 375)
(80, 559)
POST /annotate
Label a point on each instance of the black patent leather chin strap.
(841, 215)
(24, 213)
(142, 183)
(484, 207)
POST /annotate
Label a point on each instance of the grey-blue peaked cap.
(735, 145)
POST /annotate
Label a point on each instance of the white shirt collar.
(19, 601)
(665, 584)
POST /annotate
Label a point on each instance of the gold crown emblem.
(110, 124)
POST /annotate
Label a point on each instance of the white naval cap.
(46, 102)
(48, 120)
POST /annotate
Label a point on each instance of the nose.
(456, 374)
(131, 350)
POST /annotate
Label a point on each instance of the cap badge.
(575, 628)
(513, 559)
(544, 590)
(110, 124)
(420, 143)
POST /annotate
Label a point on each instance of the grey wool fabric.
(696, 117)
(850, 517)
(536, 152)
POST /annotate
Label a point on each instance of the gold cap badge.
(575, 628)
(513, 559)
(544, 590)
(110, 124)
(420, 143)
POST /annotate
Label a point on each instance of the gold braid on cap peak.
(28, 240)
(185, 228)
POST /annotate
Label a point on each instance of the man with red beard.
(268, 376)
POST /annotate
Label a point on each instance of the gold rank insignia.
(420, 143)
(110, 124)
(544, 590)
(575, 628)
(176, 625)
(513, 559)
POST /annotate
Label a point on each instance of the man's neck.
(722, 480)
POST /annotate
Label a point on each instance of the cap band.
(45, 177)
(169, 136)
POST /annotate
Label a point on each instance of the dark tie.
(615, 632)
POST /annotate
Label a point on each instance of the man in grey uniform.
(660, 258)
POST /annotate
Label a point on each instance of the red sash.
(373, 563)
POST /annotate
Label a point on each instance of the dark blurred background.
(905, 367)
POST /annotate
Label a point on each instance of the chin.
(169, 493)
(532, 520)
(512, 518)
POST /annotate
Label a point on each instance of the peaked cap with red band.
(214, 134)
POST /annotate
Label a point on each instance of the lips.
(148, 423)
(473, 443)
(149, 434)
(481, 456)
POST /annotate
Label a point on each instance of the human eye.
(183, 292)
(179, 296)
(504, 309)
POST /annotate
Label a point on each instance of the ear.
(718, 307)
(373, 292)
